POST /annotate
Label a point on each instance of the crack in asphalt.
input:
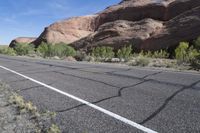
(25, 89)
(33, 87)
(144, 78)
(150, 117)
(167, 102)
(119, 94)
(196, 88)
(153, 74)
(62, 73)
(15, 81)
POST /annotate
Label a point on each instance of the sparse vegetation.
(125, 53)
(181, 52)
(45, 50)
(63, 50)
(7, 51)
(157, 54)
(24, 48)
(197, 43)
(28, 107)
(140, 61)
(54, 129)
(103, 53)
(22, 104)
(186, 54)
(60, 50)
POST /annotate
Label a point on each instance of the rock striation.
(146, 24)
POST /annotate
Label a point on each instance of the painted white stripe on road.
(116, 116)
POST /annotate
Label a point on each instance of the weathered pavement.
(159, 100)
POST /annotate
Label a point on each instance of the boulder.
(22, 40)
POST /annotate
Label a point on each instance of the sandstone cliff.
(146, 24)
(22, 40)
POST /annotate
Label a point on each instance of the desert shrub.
(196, 63)
(141, 61)
(156, 54)
(125, 52)
(194, 57)
(147, 54)
(80, 56)
(54, 129)
(60, 50)
(186, 54)
(160, 54)
(63, 50)
(193, 54)
(181, 52)
(45, 50)
(24, 48)
(103, 52)
(7, 51)
(197, 43)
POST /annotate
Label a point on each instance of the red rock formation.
(21, 40)
(69, 30)
(146, 24)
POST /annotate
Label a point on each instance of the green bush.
(186, 54)
(45, 50)
(24, 48)
(7, 51)
(156, 54)
(125, 53)
(196, 63)
(160, 54)
(103, 52)
(54, 129)
(141, 61)
(197, 43)
(181, 52)
(60, 50)
(63, 50)
(193, 54)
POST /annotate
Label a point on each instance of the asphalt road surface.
(99, 98)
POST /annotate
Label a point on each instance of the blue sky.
(29, 17)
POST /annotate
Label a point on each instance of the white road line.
(116, 116)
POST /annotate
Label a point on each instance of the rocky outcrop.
(21, 40)
(182, 28)
(146, 24)
(68, 31)
(119, 33)
(135, 10)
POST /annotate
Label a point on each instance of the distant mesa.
(22, 40)
(146, 24)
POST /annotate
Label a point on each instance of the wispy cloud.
(57, 6)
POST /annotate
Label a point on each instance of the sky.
(28, 18)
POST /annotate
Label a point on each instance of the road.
(105, 98)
